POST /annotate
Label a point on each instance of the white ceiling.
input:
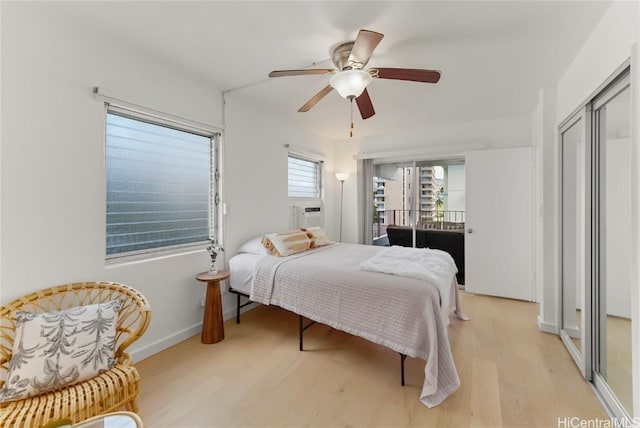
(494, 56)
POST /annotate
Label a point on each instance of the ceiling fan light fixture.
(350, 83)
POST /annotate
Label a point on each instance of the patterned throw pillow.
(286, 243)
(318, 236)
(56, 349)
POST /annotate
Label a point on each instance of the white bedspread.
(435, 266)
(401, 313)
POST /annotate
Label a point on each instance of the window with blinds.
(159, 186)
(304, 178)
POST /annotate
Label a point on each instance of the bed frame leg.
(238, 310)
(301, 329)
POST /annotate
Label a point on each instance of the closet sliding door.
(596, 244)
(613, 246)
(574, 300)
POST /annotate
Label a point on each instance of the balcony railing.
(427, 219)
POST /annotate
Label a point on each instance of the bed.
(342, 285)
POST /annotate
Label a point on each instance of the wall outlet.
(202, 302)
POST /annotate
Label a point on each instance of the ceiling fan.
(350, 80)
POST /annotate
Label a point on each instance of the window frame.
(320, 177)
(215, 184)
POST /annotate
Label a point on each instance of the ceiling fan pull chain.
(351, 128)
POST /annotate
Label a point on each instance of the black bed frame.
(239, 306)
(301, 327)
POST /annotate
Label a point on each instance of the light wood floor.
(512, 375)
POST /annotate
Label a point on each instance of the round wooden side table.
(212, 323)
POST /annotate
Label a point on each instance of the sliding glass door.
(418, 195)
(393, 199)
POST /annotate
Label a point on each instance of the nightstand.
(213, 323)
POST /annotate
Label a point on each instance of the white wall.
(52, 166)
(547, 255)
(607, 48)
(256, 172)
(543, 129)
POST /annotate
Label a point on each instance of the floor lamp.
(341, 177)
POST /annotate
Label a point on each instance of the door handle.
(469, 230)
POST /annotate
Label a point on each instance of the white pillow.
(254, 246)
(56, 349)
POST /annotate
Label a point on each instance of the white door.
(499, 223)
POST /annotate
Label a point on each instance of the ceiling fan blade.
(282, 73)
(315, 99)
(412, 74)
(364, 46)
(365, 105)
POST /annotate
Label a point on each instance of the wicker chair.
(104, 393)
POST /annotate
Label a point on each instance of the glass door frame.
(581, 118)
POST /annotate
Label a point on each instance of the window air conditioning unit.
(307, 216)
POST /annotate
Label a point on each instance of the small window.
(304, 178)
(160, 182)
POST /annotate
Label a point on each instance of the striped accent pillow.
(286, 243)
(318, 236)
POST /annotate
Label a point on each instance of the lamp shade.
(342, 176)
(350, 83)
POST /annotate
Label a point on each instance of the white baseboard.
(547, 327)
(182, 335)
(167, 342)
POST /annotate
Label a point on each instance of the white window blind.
(159, 186)
(304, 178)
